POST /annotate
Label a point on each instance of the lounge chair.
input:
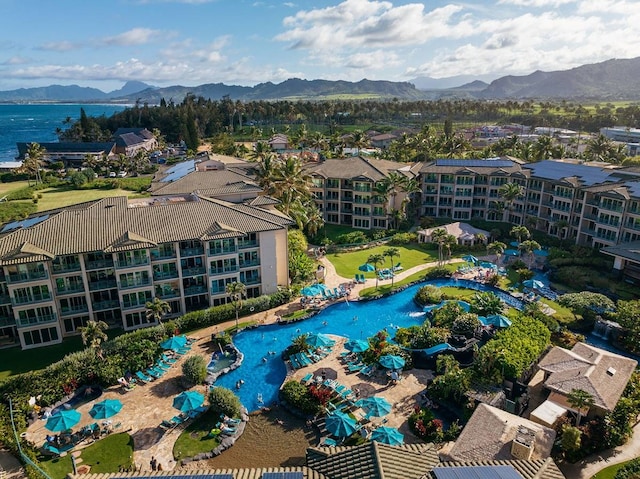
(294, 362)
(398, 267)
(161, 365)
(308, 377)
(352, 368)
(144, 377)
(168, 360)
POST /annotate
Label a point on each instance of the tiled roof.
(373, 461)
(630, 251)
(489, 166)
(141, 132)
(356, 167)
(129, 139)
(67, 147)
(244, 473)
(263, 200)
(489, 433)
(537, 469)
(112, 223)
(209, 183)
(601, 373)
(585, 175)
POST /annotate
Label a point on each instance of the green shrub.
(298, 395)
(224, 401)
(25, 193)
(437, 272)
(15, 211)
(428, 294)
(355, 237)
(630, 470)
(139, 184)
(194, 369)
(525, 274)
(403, 238)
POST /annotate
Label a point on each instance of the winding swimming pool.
(263, 370)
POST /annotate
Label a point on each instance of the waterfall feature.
(603, 328)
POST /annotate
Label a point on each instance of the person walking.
(153, 463)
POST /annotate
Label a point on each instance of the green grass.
(609, 472)
(333, 231)
(347, 264)
(17, 361)
(296, 314)
(15, 185)
(110, 454)
(58, 197)
(194, 440)
(383, 289)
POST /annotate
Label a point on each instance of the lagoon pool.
(263, 370)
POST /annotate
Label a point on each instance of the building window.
(40, 336)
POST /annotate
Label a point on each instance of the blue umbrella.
(533, 283)
(174, 342)
(188, 400)
(105, 409)
(339, 424)
(387, 435)
(515, 244)
(391, 361)
(63, 420)
(498, 320)
(319, 340)
(375, 406)
(357, 345)
(310, 291)
(367, 268)
(540, 252)
(469, 258)
(511, 252)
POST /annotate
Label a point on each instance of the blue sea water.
(38, 123)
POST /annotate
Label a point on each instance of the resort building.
(345, 190)
(130, 141)
(105, 259)
(71, 154)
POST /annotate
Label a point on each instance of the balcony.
(71, 310)
(160, 275)
(194, 290)
(186, 252)
(28, 276)
(45, 318)
(615, 208)
(247, 264)
(363, 189)
(168, 294)
(219, 251)
(161, 255)
(127, 305)
(70, 289)
(463, 193)
(347, 199)
(107, 304)
(103, 284)
(219, 271)
(65, 268)
(5, 299)
(99, 264)
(251, 281)
(135, 284)
(631, 226)
(254, 243)
(133, 263)
(587, 230)
(193, 271)
(218, 291)
(362, 201)
(33, 298)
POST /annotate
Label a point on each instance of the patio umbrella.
(387, 435)
(375, 406)
(174, 342)
(540, 252)
(515, 244)
(312, 290)
(533, 284)
(357, 345)
(367, 268)
(340, 424)
(469, 258)
(510, 252)
(63, 420)
(105, 409)
(391, 361)
(319, 340)
(188, 400)
(498, 320)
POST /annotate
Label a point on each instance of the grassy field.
(16, 185)
(195, 438)
(347, 264)
(609, 472)
(57, 197)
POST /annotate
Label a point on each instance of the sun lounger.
(161, 365)
(355, 367)
(168, 360)
(144, 377)
(155, 372)
(367, 370)
(294, 362)
(346, 394)
(329, 442)
(398, 267)
(308, 377)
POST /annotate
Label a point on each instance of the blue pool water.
(355, 320)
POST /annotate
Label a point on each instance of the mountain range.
(615, 79)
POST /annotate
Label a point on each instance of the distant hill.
(61, 93)
(447, 83)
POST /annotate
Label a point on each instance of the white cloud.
(16, 60)
(135, 36)
(62, 46)
(536, 3)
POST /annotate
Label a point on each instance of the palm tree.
(520, 232)
(93, 334)
(497, 248)
(261, 150)
(439, 236)
(391, 253)
(528, 247)
(580, 400)
(315, 220)
(448, 242)
(375, 260)
(236, 292)
(156, 309)
(510, 192)
(291, 183)
(561, 227)
(359, 140)
(33, 161)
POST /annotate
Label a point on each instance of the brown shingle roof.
(357, 167)
(115, 224)
(601, 373)
(214, 182)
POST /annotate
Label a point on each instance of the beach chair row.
(360, 279)
(336, 293)
(157, 370)
(385, 274)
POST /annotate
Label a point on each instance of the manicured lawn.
(58, 197)
(16, 185)
(194, 440)
(333, 231)
(382, 289)
(15, 361)
(609, 472)
(347, 264)
(110, 454)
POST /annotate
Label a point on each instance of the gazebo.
(466, 234)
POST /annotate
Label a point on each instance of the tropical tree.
(314, 220)
(291, 183)
(486, 303)
(579, 399)
(358, 140)
(497, 248)
(439, 236)
(93, 335)
(527, 248)
(156, 309)
(375, 260)
(236, 292)
(261, 150)
(449, 241)
(33, 162)
(561, 228)
(520, 232)
(510, 192)
(391, 253)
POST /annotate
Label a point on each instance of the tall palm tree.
(315, 220)
(528, 247)
(291, 183)
(33, 161)
(93, 334)
(261, 149)
(439, 236)
(520, 232)
(580, 400)
(236, 292)
(448, 242)
(561, 227)
(375, 260)
(391, 253)
(156, 309)
(510, 192)
(496, 248)
(359, 140)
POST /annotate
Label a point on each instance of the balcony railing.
(160, 255)
(247, 264)
(99, 264)
(194, 290)
(160, 275)
(633, 226)
(45, 318)
(33, 298)
(186, 252)
(5, 299)
(103, 284)
(251, 281)
(107, 304)
(194, 271)
(134, 284)
(218, 271)
(219, 251)
(65, 268)
(29, 276)
(169, 293)
(216, 291)
(70, 289)
(611, 208)
(362, 189)
(133, 263)
(71, 310)
(250, 244)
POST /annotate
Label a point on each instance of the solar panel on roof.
(475, 163)
(178, 171)
(476, 472)
(190, 476)
(283, 475)
(24, 223)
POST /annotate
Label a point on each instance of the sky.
(103, 44)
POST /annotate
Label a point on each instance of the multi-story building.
(105, 259)
(345, 190)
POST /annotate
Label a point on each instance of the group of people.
(155, 465)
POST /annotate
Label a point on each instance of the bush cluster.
(224, 401)
(299, 396)
(428, 294)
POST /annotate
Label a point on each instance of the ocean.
(38, 123)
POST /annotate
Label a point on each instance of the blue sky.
(102, 43)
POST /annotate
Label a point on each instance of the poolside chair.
(308, 377)
(168, 360)
(346, 394)
(155, 372)
(162, 365)
(142, 376)
(361, 278)
(398, 267)
(294, 362)
(355, 367)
